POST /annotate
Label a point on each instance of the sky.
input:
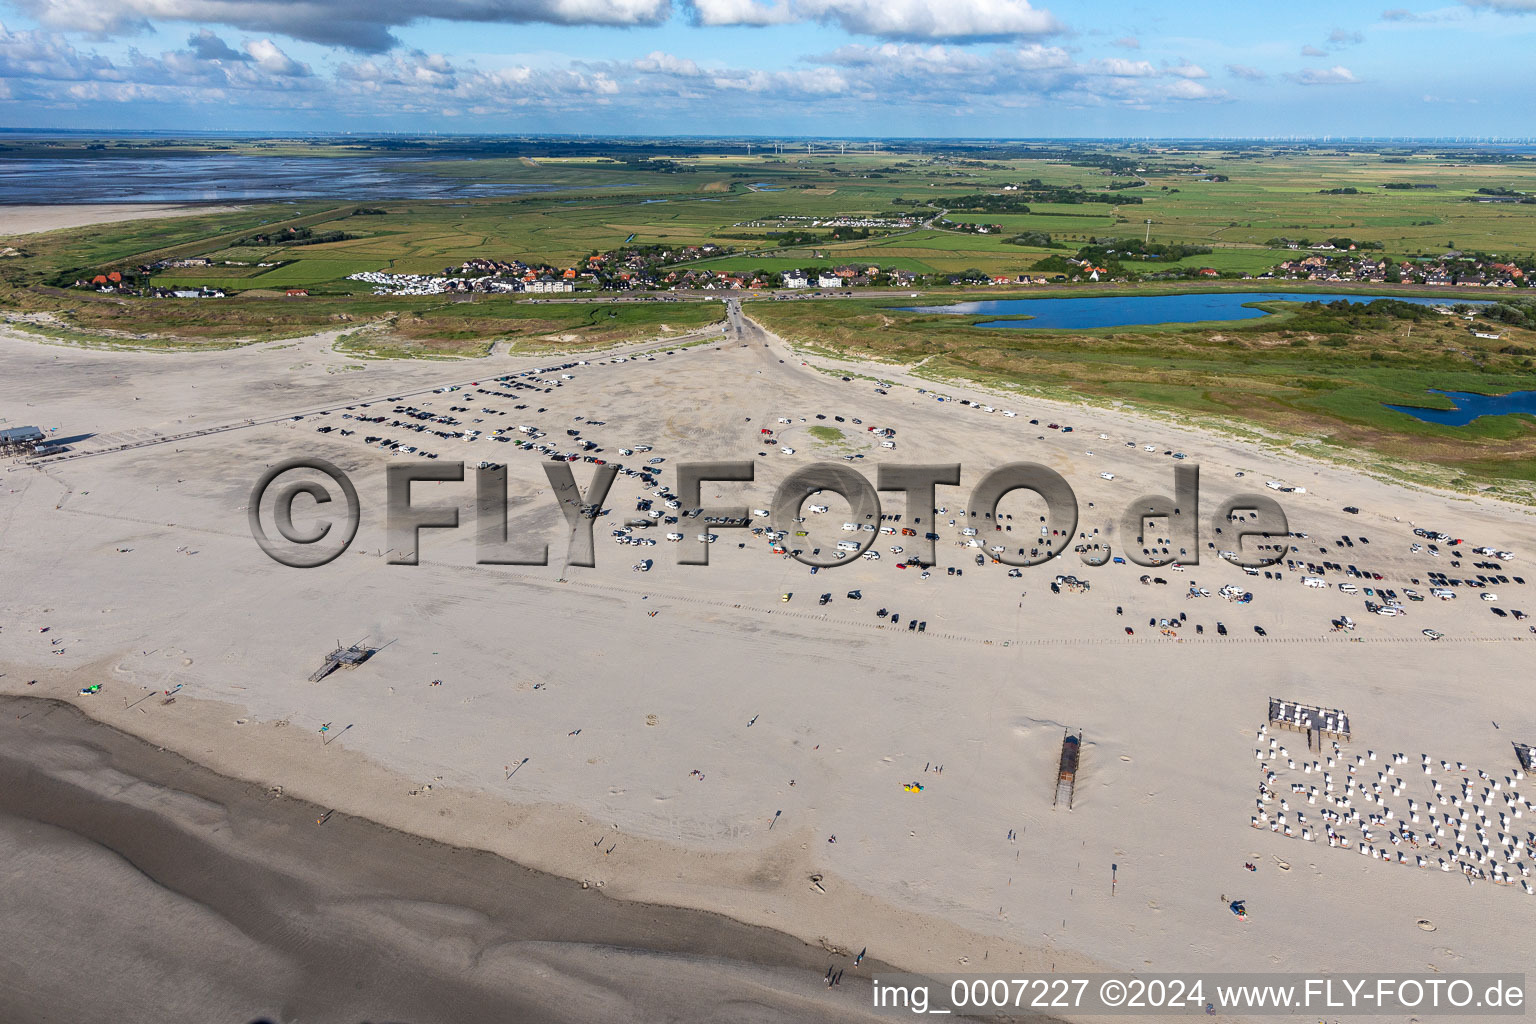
(774, 68)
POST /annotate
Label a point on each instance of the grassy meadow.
(1288, 374)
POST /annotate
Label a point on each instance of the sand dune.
(28, 220)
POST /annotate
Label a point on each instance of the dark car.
(1351, 510)
(1222, 629)
(854, 595)
(1260, 630)
(826, 598)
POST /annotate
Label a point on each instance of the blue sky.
(967, 68)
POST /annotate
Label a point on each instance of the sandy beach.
(265, 915)
(30, 220)
(685, 737)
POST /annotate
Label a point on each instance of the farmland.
(592, 205)
(1296, 377)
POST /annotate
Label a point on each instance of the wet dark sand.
(141, 887)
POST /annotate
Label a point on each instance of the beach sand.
(704, 755)
(182, 895)
(29, 220)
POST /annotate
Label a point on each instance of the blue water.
(766, 186)
(1471, 406)
(211, 177)
(1142, 310)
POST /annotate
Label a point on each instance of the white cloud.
(812, 82)
(939, 79)
(207, 46)
(1127, 43)
(1336, 75)
(1014, 77)
(273, 60)
(406, 69)
(42, 55)
(1121, 68)
(666, 62)
(741, 12)
(1343, 37)
(1186, 89)
(890, 19)
(1184, 69)
(1313, 51)
(358, 24)
(1245, 72)
(1513, 6)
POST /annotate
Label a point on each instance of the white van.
(761, 513)
(818, 509)
(1107, 476)
(1348, 588)
(887, 444)
(847, 545)
(1315, 582)
(850, 527)
(969, 531)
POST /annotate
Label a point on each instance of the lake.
(1143, 310)
(219, 177)
(1470, 406)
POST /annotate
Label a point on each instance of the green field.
(597, 204)
(1285, 374)
(1293, 375)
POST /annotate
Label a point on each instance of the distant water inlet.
(1090, 311)
(1470, 406)
(229, 177)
